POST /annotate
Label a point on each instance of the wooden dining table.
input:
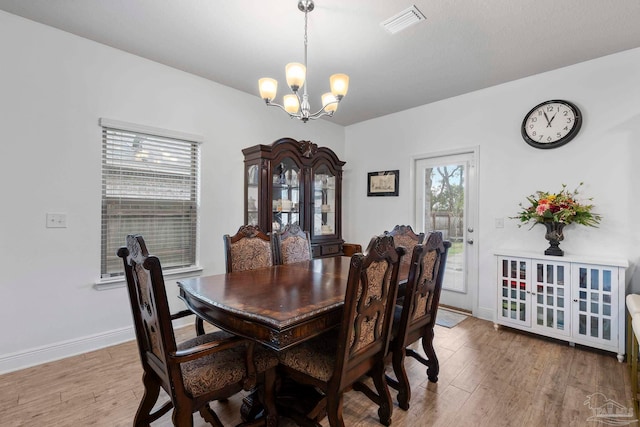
(277, 306)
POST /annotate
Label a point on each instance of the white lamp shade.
(268, 88)
(291, 104)
(296, 74)
(327, 100)
(339, 84)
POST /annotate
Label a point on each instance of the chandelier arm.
(275, 104)
(321, 112)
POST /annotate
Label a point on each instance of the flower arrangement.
(561, 207)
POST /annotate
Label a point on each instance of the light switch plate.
(56, 220)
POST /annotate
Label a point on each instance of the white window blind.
(150, 186)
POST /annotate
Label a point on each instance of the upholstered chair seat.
(315, 358)
(219, 370)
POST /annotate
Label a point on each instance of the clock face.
(551, 124)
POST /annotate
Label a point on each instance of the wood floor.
(487, 378)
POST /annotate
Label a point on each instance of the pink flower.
(542, 207)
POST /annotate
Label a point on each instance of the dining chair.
(292, 244)
(248, 249)
(334, 362)
(416, 317)
(209, 367)
(403, 235)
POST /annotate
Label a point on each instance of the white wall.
(605, 155)
(53, 89)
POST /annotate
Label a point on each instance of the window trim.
(104, 283)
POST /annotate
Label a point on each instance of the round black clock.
(551, 124)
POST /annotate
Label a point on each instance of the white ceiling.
(461, 47)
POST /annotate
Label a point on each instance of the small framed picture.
(383, 183)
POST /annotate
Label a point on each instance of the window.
(150, 186)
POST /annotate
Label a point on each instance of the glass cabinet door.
(252, 194)
(513, 274)
(324, 202)
(285, 204)
(550, 293)
(595, 296)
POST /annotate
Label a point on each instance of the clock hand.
(547, 117)
(554, 116)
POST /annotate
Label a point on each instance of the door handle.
(470, 241)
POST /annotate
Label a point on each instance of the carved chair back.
(292, 244)
(368, 310)
(248, 249)
(151, 314)
(403, 235)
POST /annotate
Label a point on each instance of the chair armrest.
(192, 353)
(181, 314)
(348, 249)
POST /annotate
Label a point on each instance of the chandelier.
(296, 105)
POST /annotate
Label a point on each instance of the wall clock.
(551, 124)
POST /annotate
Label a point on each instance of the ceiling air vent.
(402, 20)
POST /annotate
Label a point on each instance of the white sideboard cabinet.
(571, 298)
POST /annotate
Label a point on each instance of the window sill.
(120, 281)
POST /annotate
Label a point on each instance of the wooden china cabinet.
(295, 182)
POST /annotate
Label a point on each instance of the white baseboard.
(38, 355)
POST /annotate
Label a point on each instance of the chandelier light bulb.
(291, 104)
(329, 102)
(268, 88)
(339, 85)
(296, 74)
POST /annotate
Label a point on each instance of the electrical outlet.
(56, 220)
(499, 222)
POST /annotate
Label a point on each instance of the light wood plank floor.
(487, 378)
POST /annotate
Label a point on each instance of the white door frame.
(473, 201)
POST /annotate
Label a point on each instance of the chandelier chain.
(306, 12)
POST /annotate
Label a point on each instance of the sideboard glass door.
(513, 298)
(551, 296)
(252, 193)
(324, 202)
(286, 194)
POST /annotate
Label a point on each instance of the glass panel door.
(595, 294)
(286, 194)
(324, 202)
(550, 296)
(252, 194)
(446, 201)
(513, 300)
